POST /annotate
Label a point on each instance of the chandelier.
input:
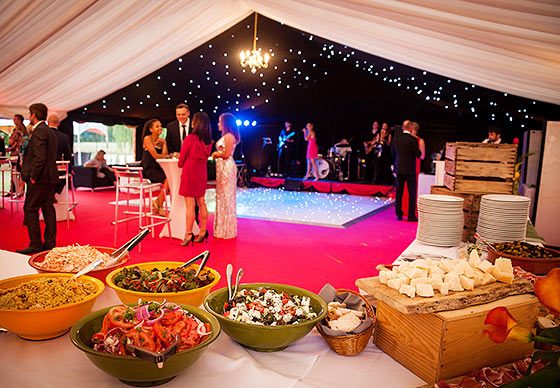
(254, 59)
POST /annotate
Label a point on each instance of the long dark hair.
(230, 125)
(147, 127)
(201, 127)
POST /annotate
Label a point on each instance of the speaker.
(293, 185)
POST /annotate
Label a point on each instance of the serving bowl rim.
(267, 327)
(32, 258)
(536, 259)
(216, 330)
(110, 283)
(90, 279)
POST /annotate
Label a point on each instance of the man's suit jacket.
(39, 160)
(174, 136)
(405, 149)
(64, 148)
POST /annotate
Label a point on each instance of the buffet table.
(178, 211)
(305, 364)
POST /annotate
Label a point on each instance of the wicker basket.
(350, 345)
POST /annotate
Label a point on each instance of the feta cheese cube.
(408, 290)
(424, 290)
(395, 283)
(466, 283)
(415, 281)
(443, 288)
(485, 266)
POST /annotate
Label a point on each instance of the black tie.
(183, 133)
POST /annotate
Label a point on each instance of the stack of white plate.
(440, 220)
(503, 217)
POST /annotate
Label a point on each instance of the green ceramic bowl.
(132, 370)
(259, 337)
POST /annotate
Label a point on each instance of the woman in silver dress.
(225, 219)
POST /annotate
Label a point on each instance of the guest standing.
(194, 156)
(312, 151)
(384, 157)
(405, 150)
(40, 174)
(225, 219)
(154, 148)
(179, 129)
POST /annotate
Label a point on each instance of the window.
(118, 142)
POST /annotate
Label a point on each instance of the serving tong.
(204, 256)
(157, 358)
(229, 273)
(117, 255)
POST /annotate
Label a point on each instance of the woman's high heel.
(155, 207)
(187, 240)
(200, 238)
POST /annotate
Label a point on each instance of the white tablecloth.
(307, 363)
(178, 210)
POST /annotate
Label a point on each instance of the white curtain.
(68, 53)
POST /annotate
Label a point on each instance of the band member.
(371, 148)
(285, 148)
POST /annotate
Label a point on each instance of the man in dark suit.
(40, 174)
(405, 150)
(179, 129)
(63, 149)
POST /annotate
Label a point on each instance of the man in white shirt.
(494, 135)
(179, 129)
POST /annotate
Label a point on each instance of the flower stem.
(545, 339)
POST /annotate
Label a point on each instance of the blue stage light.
(238, 122)
(254, 123)
(246, 123)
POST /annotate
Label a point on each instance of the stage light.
(254, 123)
(246, 123)
(238, 122)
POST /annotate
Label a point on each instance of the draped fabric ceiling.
(68, 53)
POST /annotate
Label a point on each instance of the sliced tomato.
(106, 324)
(117, 317)
(179, 326)
(164, 333)
(256, 306)
(141, 339)
(98, 338)
(171, 317)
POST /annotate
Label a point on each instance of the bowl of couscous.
(46, 305)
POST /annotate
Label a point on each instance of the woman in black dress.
(154, 147)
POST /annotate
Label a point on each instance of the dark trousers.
(284, 158)
(411, 184)
(40, 196)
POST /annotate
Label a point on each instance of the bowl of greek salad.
(266, 317)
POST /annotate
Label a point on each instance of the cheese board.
(439, 302)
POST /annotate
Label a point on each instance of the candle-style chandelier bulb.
(254, 59)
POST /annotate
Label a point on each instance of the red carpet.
(301, 255)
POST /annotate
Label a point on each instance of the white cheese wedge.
(443, 288)
(404, 278)
(395, 283)
(413, 273)
(469, 272)
(401, 267)
(435, 270)
(420, 263)
(487, 279)
(435, 283)
(415, 281)
(478, 277)
(424, 290)
(435, 277)
(503, 270)
(384, 276)
(446, 265)
(466, 283)
(454, 282)
(474, 258)
(485, 266)
(408, 290)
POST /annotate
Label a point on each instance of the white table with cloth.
(307, 363)
(178, 211)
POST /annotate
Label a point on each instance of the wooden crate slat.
(483, 169)
(449, 181)
(450, 150)
(506, 153)
(476, 186)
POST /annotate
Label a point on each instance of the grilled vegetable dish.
(157, 281)
(523, 249)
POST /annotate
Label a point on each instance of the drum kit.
(333, 166)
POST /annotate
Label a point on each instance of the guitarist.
(285, 147)
(370, 147)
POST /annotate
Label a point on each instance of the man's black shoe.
(28, 251)
(412, 219)
(399, 218)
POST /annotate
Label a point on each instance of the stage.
(324, 186)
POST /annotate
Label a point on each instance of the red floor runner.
(301, 255)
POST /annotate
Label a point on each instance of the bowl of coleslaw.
(159, 281)
(266, 317)
(73, 258)
(102, 328)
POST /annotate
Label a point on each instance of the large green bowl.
(259, 337)
(134, 371)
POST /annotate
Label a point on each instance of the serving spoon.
(90, 267)
(229, 272)
(478, 237)
(237, 280)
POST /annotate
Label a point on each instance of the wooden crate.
(447, 344)
(471, 208)
(479, 167)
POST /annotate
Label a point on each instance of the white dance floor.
(330, 210)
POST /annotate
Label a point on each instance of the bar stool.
(63, 167)
(15, 197)
(5, 167)
(130, 180)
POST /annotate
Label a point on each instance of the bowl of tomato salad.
(109, 336)
(266, 317)
(159, 281)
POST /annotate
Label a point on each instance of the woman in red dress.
(194, 155)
